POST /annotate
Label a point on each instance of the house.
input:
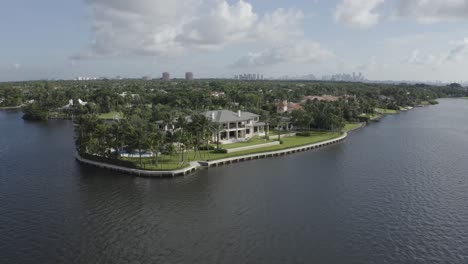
(71, 104)
(218, 94)
(235, 127)
(284, 106)
(326, 98)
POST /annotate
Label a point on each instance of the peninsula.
(157, 127)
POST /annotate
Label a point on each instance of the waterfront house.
(236, 127)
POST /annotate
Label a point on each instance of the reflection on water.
(394, 192)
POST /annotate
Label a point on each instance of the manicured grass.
(289, 142)
(251, 142)
(386, 111)
(351, 126)
(166, 162)
(276, 132)
(111, 115)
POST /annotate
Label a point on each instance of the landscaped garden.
(252, 142)
(173, 162)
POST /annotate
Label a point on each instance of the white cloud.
(430, 11)
(357, 13)
(280, 25)
(456, 53)
(298, 52)
(417, 59)
(170, 28)
(453, 55)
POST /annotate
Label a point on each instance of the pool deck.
(195, 165)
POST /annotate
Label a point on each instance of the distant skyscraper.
(189, 76)
(166, 76)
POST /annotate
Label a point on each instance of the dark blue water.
(393, 192)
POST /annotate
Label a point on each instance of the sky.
(424, 40)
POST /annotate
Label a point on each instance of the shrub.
(207, 147)
(220, 151)
(363, 118)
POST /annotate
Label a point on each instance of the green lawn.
(351, 126)
(251, 142)
(110, 115)
(288, 142)
(172, 162)
(165, 163)
(386, 111)
(276, 132)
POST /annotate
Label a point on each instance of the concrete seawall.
(197, 164)
(272, 153)
(142, 173)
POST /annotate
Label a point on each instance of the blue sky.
(384, 39)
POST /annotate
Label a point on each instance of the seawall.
(198, 164)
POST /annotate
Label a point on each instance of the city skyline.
(384, 39)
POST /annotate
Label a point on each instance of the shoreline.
(195, 165)
(10, 108)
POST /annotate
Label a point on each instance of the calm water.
(394, 192)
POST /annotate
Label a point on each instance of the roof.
(224, 116)
(328, 98)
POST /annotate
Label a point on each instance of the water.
(393, 192)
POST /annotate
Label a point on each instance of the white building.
(236, 127)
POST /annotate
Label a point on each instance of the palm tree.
(216, 128)
(199, 127)
(154, 141)
(138, 135)
(85, 128)
(279, 123)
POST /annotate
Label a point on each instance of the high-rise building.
(166, 76)
(189, 76)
